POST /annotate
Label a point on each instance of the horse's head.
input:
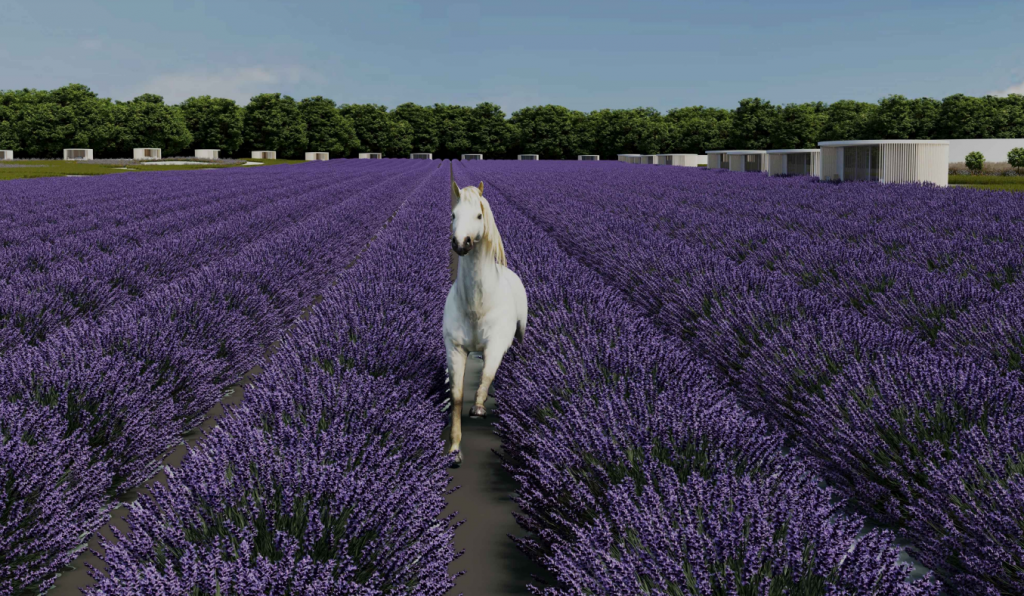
(473, 223)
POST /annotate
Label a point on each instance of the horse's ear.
(481, 187)
(455, 187)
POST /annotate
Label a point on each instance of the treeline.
(41, 123)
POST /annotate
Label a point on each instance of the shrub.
(1016, 158)
(975, 161)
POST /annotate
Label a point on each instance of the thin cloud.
(91, 44)
(238, 84)
(1018, 89)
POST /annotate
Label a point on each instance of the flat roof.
(664, 154)
(747, 152)
(793, 150)
(882, 142)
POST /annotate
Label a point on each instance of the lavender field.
(730, 384)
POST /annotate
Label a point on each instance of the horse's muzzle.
(462, 248)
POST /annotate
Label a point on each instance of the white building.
(718, 159)
(702, 160)
(886, 161)
(421, 156)
(588, 158)
(686, 160)
(6, 154)
(994, 150)
(371, 156)
(528, 157)
(317, 156)
(472, 156)
(207, 153)
(629, 157)
(147, 153)
(264, 154)
(753, 160)
(77, 154)
(794, 162)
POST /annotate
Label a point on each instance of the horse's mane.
(491, 242)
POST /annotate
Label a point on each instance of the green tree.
(964, 117)
(452, 125)
(697, 129)
(1016, 158)
(975, 161)
(10, 111)
(550, 131)
(215, 123)
(638, 130)
(847, 119)
(489, 132)
(147, 121)
(753, 123)
(379, 131)
(798, 126)
(326, 128)
(925, 112)
(272, 123)
(425, 138)
(44, 123)
(1013, 116)
(893, 119)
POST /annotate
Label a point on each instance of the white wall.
(994, 150)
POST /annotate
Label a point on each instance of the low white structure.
(686, 160)
(886, 161)
(77, 154)
(208, 153)
(754, 160)
(421, 156)
(794, 162)
(718, 159)
(317, 156)
(588, 158)
(371, 156)
(528, 157)
(6, 154)
(147, 153)
(472, 156)
(264, 154)
(629, 157)
(702, 160)
(994, 150)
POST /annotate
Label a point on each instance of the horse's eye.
(479, 216)
(453, 217)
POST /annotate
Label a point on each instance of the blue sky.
(581, 54)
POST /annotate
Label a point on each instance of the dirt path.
(492, 562)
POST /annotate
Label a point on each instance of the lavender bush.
(639, 472)
(330, 477)
(872, 324)
(125, 384)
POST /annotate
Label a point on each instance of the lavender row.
(639, 473)
(330, 477)
(132, 263)
(921, 437)
(905, 257)
(118, 392)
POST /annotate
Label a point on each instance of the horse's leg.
(492, 359)
(456, 378)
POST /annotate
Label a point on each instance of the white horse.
(486, 306)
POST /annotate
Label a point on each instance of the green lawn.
(58, 167)
(1013, 183)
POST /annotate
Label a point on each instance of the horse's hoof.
(458, 459)
(478, 412)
